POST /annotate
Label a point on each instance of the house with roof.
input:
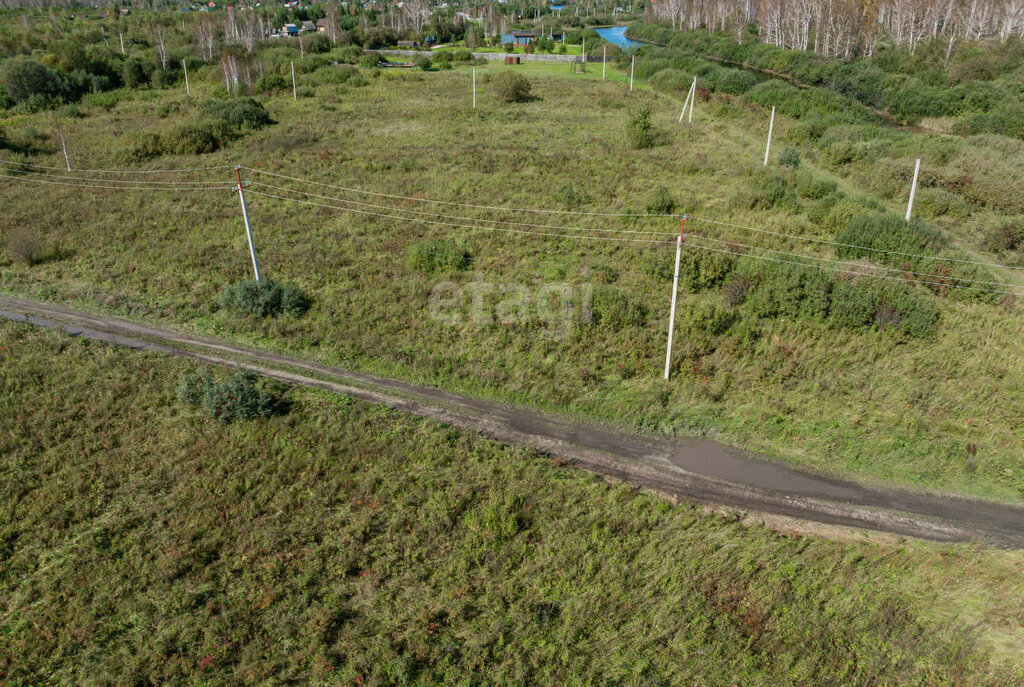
(519, 38)
(290, 30)
(321, 25)
(308, 27)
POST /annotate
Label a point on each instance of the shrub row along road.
(692, 470)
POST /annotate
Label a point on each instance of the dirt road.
(692, 470)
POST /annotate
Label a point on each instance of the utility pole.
(689, 94)
(632, 65)
(295, 92)
(583, 51)
(693, 99)
(248, 229)
(913, 188)
(188, 90)
(63, 146)
(121, 36)
(474, 88)
(675, 291)
(604, 61)
(771, 125)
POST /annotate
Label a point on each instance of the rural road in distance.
(687, 469)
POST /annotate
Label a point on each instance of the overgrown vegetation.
(264, 299)
(349, 543)
(236, 398)
(512, 87)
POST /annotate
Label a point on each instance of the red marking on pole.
(238, 171)
(682, 229)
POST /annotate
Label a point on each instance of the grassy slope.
(864, 403)
(141, 542)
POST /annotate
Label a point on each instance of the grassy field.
(346, 543)
(940, 412)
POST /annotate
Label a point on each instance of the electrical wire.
(119, 188)
(461, 226)
(454, 204)
(854, 273)
(49, 175)
(119, 171)
(843, 262)
(849, 245)
(459, 217)
(635, 215)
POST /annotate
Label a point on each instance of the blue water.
(556, 7)
(617, 36)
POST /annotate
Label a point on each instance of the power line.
(459, 217)
(461, 226)
(635, 215)
(120, 171)
(849, 245)
(859, 274)
(47, 175)
(119, 188)
(454, 204)
(842, 262)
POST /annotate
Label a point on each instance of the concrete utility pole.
(604, 61)
(632, 65)
(188, 90)
(121, 36)
(913, 189)
(295, 92)
(675, 291)
(248, 229)
(583, 51)
(474, 88)
(693, 99)
(771, 125)
(63, 146)
(689, 94)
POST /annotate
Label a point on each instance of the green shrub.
(1004, 238)
(264, 299)
(319, 44)
(512, 87)
(188, 139)
(883, 232)
(437, 255)
(700, 270)
(852, 305)
(639, 130)
(270, 83)
(707, 319)
(839, 153)
(660, 202)
(237, 114)
(774, 190)
(423, 62)
(614, 309)
(370, 59)
(239, 397)
(790, 157)
(813, 188)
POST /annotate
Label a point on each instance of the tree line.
(847, 28)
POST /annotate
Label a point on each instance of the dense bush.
(790, 157)
(263, 299)
(319, 43)
(660, 202)
(236, 114)
(370, 59)
(270, 83)
(423, 62)
(239, 397)
(639, 129)
(511, 87)
(437, 255)
(615, 310)
(188, 139)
